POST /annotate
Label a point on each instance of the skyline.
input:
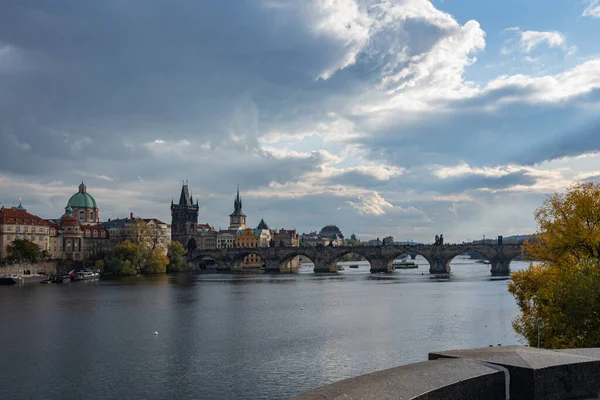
(405, 118)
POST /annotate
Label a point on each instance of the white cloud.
(528, 40)
(592, 9)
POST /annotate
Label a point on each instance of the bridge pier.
(500, 266)
(439, 265)
(413, 256)
(380, 265)
(272, 265)
(325, 267)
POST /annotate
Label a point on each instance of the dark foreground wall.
(509, 372)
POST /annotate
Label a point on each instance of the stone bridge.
(325, 258)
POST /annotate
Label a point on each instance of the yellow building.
(17, 223)
(248, 238)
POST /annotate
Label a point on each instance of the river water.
(225, 336)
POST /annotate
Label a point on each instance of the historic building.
(237, 219)
(264, 234)
(17, 223)
(333, 234)
(184, 218)
(248, 238)
(226, 238)
(157, 236)
(84, 207)
(78, 235)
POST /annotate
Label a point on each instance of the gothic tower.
(237, 220)
(184, 217)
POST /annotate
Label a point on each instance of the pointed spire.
(184, 198)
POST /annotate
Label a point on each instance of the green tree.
(561, 293)
(23, 250)
(126, 259)
(156, 262)
(177, 262)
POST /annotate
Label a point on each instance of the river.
(226, 336)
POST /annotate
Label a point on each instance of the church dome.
(82, 199)
(330, 231)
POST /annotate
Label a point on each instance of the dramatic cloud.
(375, 115)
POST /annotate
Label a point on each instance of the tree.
(156, 262)
(561, 293)
(126, 259)
(177, 262)
(23, 250)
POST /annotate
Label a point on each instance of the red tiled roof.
(68, 220)
(19, 217)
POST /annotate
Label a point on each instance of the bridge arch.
(398, 253)
(248, 258)
(339, 257)
(288, 262)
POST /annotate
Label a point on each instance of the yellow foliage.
(562, 292)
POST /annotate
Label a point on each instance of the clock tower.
(237, 220)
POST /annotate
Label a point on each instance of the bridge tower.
(184, 217)
(237, 219)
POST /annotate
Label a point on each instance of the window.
(18, 229)
(92, 216)
(8, 237)
(9, 228)
(103, 234)
(95, 234)
(41, 230)
(81, 215)
(18, 237)
(41, 238)
(26, 229)
(87, 233)
(69, 229)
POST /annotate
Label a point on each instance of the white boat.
(86, 275)
(404, 264)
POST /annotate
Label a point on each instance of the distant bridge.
(325, 258)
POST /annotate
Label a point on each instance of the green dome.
(82, 199)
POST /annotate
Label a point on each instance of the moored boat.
(85, 275)
(404, 264)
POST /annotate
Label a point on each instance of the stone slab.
(540, 373)
(429, 380)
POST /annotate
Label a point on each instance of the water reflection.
(240, 336)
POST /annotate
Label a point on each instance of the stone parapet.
(429, 380)
(502, 372)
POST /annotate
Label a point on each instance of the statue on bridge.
(500, 239)
(439, 240)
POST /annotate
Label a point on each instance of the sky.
(407, 118)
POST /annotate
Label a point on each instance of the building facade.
(17, 223)
(226, 238)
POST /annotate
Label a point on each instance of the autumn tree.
(177, 262)
(560, 295)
